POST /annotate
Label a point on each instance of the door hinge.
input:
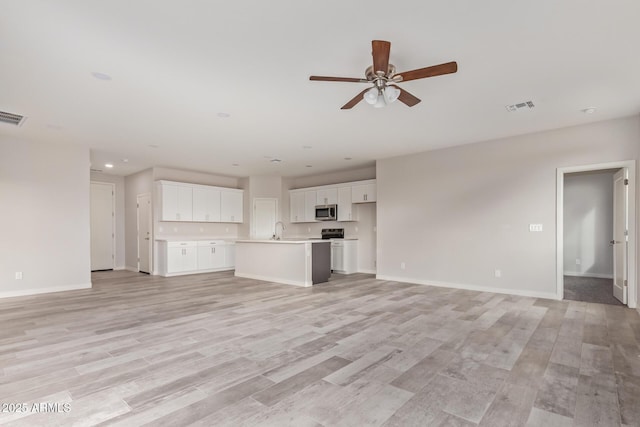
(626, 232)
(626, 181)
(137, 205)
(625, 283)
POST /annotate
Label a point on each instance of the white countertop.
(289, 241)
(194, 239)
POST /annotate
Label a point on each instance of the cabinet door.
(169, 197)
(296, 207)
(327, 196)
(337, 257)
(364, 193)
(185, 203)
(174, 260)
(190, 259)
(206, 205)
(231, 206)
(345, 206)
(204, 258)
(310, 206)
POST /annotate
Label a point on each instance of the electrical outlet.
(226, 230)
(18, 275)
(578, 261)
(402, 266)
(498, 273)
(160, 229)
(308, 229)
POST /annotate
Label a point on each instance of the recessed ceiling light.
(235, 164)
(309, 166)
(307, 147)
(347, 158)
(108, 165)
(224, 115)
(275, 160)
(125, 160)
(589, 110)
(101, 76)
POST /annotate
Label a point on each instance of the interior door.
(265, 214)
(102, 229)
(144, 233)
(620, 227)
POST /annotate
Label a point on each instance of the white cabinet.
(296, 207)
(231, 206)
(310, 206)
(176, 202)
(178, 257)
(211, 254)
(327, 196)
(190, 257)
(364, 193)
(346, 210)
(344, 256)
(206, 204)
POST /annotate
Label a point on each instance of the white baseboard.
(129, 268)
(367, 271)
(597, 276)
(523, 293)
(271, 279)
(37, 291)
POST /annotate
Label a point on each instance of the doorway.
(265, 216)
(102, 225)
(596, 233)
(144, 233)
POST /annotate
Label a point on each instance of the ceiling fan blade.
(421, 73)
(380, 52)
(406, 98)
(359, 97)
(338, 79)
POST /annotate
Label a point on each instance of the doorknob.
(146, 238)
(613, 242)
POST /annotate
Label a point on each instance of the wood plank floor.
(215, 350)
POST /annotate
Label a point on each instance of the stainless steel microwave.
(326, 212)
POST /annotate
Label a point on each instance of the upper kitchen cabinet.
(206, 204)
(231, 206)
(296, 207)
(346, 210)
(310, 201)
(176, 201)
(327, 196)
(364, 193)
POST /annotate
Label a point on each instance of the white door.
(620, 227)
(144, 233)
(102, 229)
(265, 214)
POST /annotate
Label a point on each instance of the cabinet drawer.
(182, 244)
(207, 243)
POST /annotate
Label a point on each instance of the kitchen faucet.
(277, 236)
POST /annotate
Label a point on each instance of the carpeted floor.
(589, 289)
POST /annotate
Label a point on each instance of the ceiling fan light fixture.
(371, 96)
(391, 94)
(380, 102)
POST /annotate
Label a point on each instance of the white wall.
(588, 223)
(119, 214)
(44, 194)
(455, 215)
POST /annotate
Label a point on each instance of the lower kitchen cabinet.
(190, 257)
(344, 256)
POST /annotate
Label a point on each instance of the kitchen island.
(299, 262)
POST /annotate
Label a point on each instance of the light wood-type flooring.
(215, 350)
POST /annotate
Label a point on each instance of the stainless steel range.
(332, 233)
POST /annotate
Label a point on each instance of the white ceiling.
(176, 64)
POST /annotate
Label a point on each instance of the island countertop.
(295, 240)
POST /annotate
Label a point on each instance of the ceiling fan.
(384, 78)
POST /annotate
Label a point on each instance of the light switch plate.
(535, 227)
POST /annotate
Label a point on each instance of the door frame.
(138, 231)
(631, 248)
(113, 218)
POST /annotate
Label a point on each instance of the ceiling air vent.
(13, 119)
(527, 105)
(95, 170)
